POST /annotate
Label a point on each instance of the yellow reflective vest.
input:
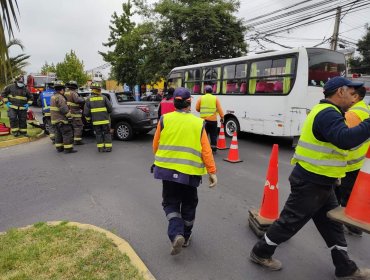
(356, 156)
(319, 157)
(208, 105)
(180, 144)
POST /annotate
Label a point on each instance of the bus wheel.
(231, 125)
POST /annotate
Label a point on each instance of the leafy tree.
(7, 17)
(71, 69)
(48, 68)
(174, 33)
(16, 63)
(362, 64)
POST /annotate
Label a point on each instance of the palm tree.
(7, 17)
(15, 64)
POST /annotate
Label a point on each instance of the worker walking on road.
(182, 156)
(359, 112)
(320, 159)
(75, 103)
(61, 119)
(97, 108)
(209, 106)
(17, 98)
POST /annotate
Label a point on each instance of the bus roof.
(247, 57)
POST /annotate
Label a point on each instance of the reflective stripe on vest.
(101, 122)
(17, 97)
(208, 105)
(100, 98)
(319, 157)
(46, 107)
(356, 156)
(180, 146)
(96, 110)
(55, 109)
(71, 104)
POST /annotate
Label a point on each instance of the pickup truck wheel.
(123, 131)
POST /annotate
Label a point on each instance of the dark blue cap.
(181, 93)
(208, 89)
(337, 82)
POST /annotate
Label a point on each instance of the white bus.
(268, 93)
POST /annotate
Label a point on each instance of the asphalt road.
(116, 191)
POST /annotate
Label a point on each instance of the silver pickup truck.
(131, 117)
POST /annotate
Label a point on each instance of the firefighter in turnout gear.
(74, 102)
(61, 118)
(17, 98)
(97, 108)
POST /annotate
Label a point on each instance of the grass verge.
(31, 130)
(61, 252)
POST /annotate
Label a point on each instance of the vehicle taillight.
(144, 108)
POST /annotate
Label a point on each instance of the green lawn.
(31, 130)
(62, 252)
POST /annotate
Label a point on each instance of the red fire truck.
(36, 83)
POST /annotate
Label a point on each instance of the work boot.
(177, 244)
(187, 242)
(78, 142)
(69, 151)
(16, 134)
(59, 150)
(359, 274)
(352, 231)
(270, 263)
(108, 150)
(101, 150)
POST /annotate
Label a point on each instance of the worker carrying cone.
(259, 221)
(357, 211)
(233, 156)
(320, 158)
(221, 142)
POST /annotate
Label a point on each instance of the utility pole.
(334, 38)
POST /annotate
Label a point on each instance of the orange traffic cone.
(260, 221)
(233, 156)
(270, 201)
(221, 142)
(357, 212)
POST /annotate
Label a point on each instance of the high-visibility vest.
(167, 106)
(356, 156)
(180, 144)
(208, 105)
(319, 157)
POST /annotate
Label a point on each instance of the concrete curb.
(121, 244)
(21, 140)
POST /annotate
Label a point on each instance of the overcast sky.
(50, 28)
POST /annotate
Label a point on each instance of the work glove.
(8, 104)
(26, 106)
(222, 120)
(152, 168)
(212, 180)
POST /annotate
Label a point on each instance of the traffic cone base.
(338, 214)
(258, 224)
(233, 155)
(221, 141)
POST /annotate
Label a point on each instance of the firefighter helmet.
(95, 85)
(59, 85)
(72, 85)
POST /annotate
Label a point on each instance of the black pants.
(103, 136)
(63, 136)
(18, 120)
(343, 191)
(179, 203)
(211, 129)
(308, 201)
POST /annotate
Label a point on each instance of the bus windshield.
(39, 81)
(323, 65)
